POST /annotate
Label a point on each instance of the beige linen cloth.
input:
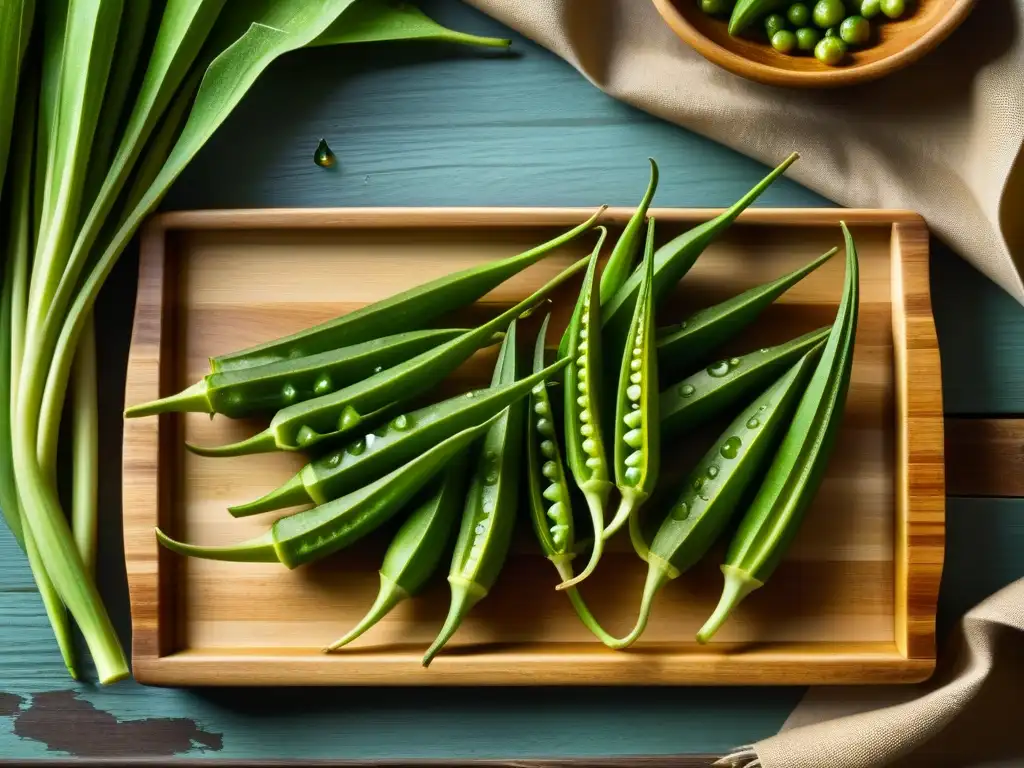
(941, 138)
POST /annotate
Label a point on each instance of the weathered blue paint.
(418, 125)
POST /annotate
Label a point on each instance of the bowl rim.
(768, 75)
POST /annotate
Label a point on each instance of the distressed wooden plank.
(985, 457)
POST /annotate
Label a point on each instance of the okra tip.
(388, 597)
(261, 442)
(597, 516)
(464, 596)
(258, 550)
(290, 494)
(738, 584)
(192, 399)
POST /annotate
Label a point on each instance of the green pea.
(855, 30)
(716, 7)
(799, 15)
(774, 22)
(870, 8)
(807, 38)
(894, 8)
(828, 13)
(784, 41)
(830, 51)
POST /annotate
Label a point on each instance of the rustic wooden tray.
(854, 601)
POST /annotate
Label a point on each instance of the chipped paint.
(65, 723)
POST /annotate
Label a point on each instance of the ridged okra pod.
(325, 418)
(714, 487)
(489, 512)
(400, 440)
(637, 428)
(620, 262)
(673, 260)
(691, 341)
(241, 392)
(405, 311)
(315, 533)
(417, 548)
(793, 478)
(584, 445)
(711, 391)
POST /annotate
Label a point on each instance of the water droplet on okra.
(357, 447)
(401, 423)
(681, 511)
(687, 390)
(753, 422)
(713, 471)
(288, 393)
(323, 386)
(731, 447)
(719, 369)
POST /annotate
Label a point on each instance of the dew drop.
(357, 447)
(734, 361)
(306, 436)
(323, 386)
(334, 460)
(687, 390)
(753, 422)
(731, 447)
(378, 369)
(762, 408)
(288, 393)
(681, 511)
(323, 156)
(713, 471)
(719, 369)
(401, 423)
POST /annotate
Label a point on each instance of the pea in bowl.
(813, 43)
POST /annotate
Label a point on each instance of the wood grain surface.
(838, 610)
(895, 45)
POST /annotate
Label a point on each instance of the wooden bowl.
(897, 44)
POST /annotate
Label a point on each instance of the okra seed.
(731, 447)
(636, 378)
(470, 395)
(401, 423)
(753, 422)
(582, 386)
(713, 471)
(335, 459)
(634, 392)
(587, 430)
(323, 386)
(475, 551)
(635, 365)
(687, 390)
(582, 347)
(681, 511)
(582, 375)
(583, 331)
(584, 416)
(632, 475)
(549, 470)
(306, 435)
(349, 418)
(718, 369)
(637, 351)
(547, 447)
(582, 401)
(371, 438)
(635, 406)
(590, 447)
(538, 390)
(556, 511)
(634, 459)
(633, 419)
(480, 528)
(553, 492)
(581, 361)
(593, 462)
(558, 535)
(357, 447)
(545, 427)
(541, 408)
(288, 393)
(488, 508)
(634, 438)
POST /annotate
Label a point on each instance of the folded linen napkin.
(942, 137)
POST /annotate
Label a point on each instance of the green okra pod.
(548, 492)
(711, 391)
(711, 492)
(620, 262)
(795, 474)
(489, 512)
(402, 439)
(584, 444)
(637, 428)
(417, 548)
(313, 534)
(405, 311)
(689, 342)
(328, 417)
(240, 392)
(672, 261)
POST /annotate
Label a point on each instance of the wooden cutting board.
(853, 602)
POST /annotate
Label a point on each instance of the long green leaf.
(15, 29)
(53, 15)
(373, 21)
(91, 33)
(282, 27)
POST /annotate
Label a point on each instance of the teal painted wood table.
(424, 125)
